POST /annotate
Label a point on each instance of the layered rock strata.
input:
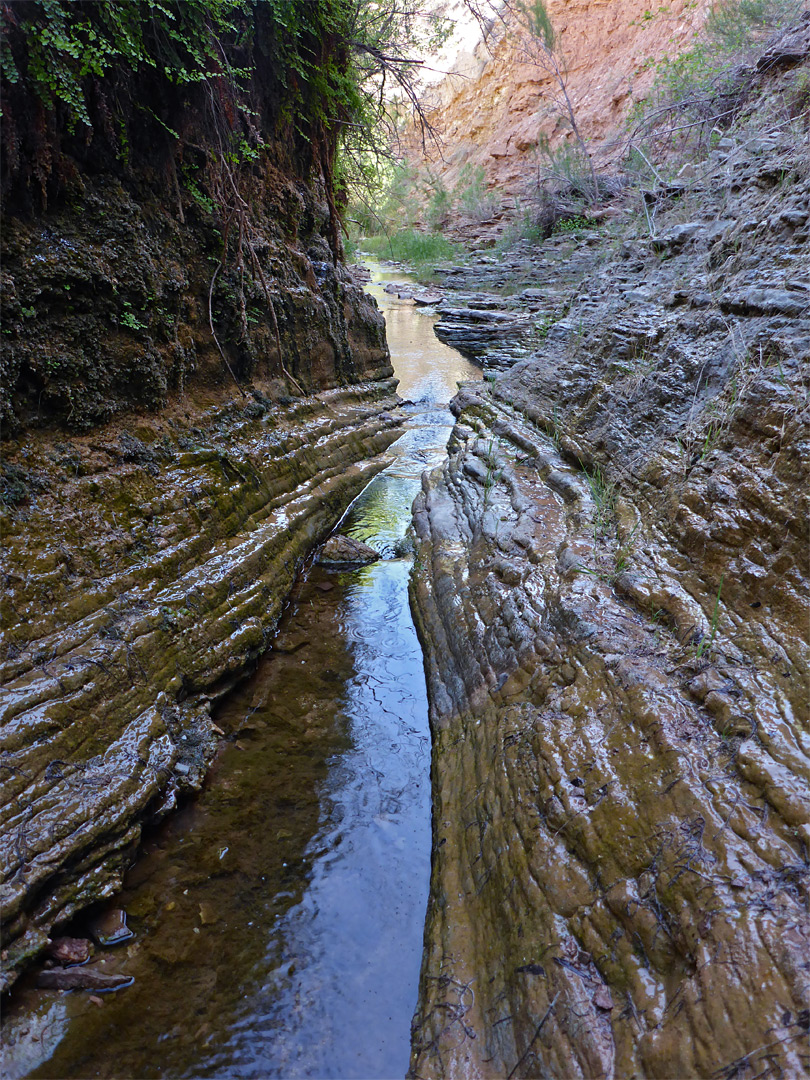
(500, 100)
(611, 586)
(139, 585)
(193, 390)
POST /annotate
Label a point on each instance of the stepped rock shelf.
(148, 587)
(611, 588)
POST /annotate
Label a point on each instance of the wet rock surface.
(68, 950)
(287, 898)
(110, 928)
(137, 591)
(80, 978)
(611, 587)
(345, 551)
(155, 514)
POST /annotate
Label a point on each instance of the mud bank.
(611, 590)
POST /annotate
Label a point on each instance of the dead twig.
(535, 1037)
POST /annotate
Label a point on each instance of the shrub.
(474, 199)
(439, 205)
(420, 249)
(737, 24)
(704, 87)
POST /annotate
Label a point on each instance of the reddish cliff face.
(494, 111)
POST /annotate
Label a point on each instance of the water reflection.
(354, 936)
(279, 916)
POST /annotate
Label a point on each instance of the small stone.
(602, 999)
(707, 682)
(208, 914)
(426, 297)
(69, 950)
(110, 928)
(345, 551)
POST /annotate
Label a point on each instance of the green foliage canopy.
(333, 57)
(68, 40)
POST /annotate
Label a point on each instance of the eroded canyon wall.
(611, 585)
(494, 112)
(194, 389)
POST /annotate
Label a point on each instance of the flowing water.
(278, 916)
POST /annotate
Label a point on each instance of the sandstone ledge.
(146, 573)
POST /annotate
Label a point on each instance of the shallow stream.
(278, 917)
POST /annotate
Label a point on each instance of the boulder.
(344, 551)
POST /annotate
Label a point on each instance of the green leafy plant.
(66, 43)
(705, 646)
(471, 190)
(422, 250)
(603, 493)
(542, 328)
(574, 224)
(129, 319)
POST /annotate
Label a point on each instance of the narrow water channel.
(278, 917)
